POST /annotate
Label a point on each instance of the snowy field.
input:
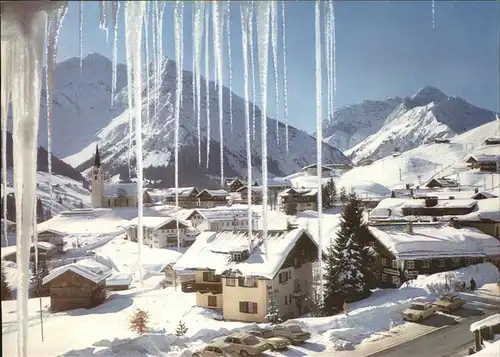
(103, 330)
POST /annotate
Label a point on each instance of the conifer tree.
(181, 329)
(139, 322)
(348, 266)
(6, 290)
(343, 195)
(40, 214)
(273, 313)
(37, 287)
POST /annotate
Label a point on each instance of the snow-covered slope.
(352, 124)
(428, 115)
(159, 142)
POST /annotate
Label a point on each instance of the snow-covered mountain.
(159, 142)
(427, 115)
(352, 124)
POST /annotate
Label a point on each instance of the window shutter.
(254, 307)
(242, 306)
(205, 276)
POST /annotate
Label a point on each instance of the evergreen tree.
(40, 214)
(325, 193)
(273, 313)
(290, 208)
(333, 192)
(348, 267)
(37, 287)
(393, 194)
(6, 290)
(343, 195)
(181, 329)
(139, 322)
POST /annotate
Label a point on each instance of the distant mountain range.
(375, 129)
(89, 96)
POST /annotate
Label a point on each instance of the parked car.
(418, 311)
(268, 335)
(448, 303)
(246, 344)
(217, 349)
(293, 332)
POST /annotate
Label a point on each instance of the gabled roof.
(420, 203)
(78, 268)
(156, 222)
(214, 193)
(216, 214)
(485, 158)
(181, 192)
(445, 182)
(313, 166)
(50, 230)
(212, 251)
(483, 194)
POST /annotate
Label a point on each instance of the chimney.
(409, 227)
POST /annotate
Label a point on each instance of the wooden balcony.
(203, 288)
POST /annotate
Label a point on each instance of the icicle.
(198, 22)
(230, 62)
(103, 23)
(262, 13)
(178, 17)
(433, 14)
(193, 78)
(81, 35)
(116, 10)
(53, 27)
(245, 14)
(285, 83)
(328, 44)
(146, 47)
(130, 71)
(134, 15)
(274, 45)
(252, 60)
(23, 37)
(334, 49)
(319, 138)
(207, 82)
(159, 46)
(217, 23)
(6, 89)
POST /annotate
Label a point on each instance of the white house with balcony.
(221, 220)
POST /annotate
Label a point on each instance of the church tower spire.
(97, 158)
(97, 181)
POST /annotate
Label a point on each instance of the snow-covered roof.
(85, 268)
(181, 191)
(299, 191)
(50, 230)
(257, 189)
(487, 209)
(314, 166)
(212, 251)
(491, 320)
(429, 241)
(148, 221)
(215, 193)
(45, 245)
(119, 279)
(216, 214)
(11, 249)
(444, 182)
(483, 194)
(493, 140)
(420, 203)
(485, 158)
(279, 182)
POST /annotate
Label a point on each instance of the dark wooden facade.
(233, 185)
(256, 195)
(72, 291)
(436, 211)
(205, 196)
(185, 201)
(304, 251)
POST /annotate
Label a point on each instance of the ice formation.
(285, 82)
(230, 62)
(319, 136)
(207, 82)
(274, 45)
(5, 83)
(262, 13)
(134, 15)
(103, 23)
(115, 7)
(252, 61)
(433, 14)
(198, 22)
(80, 19)
(146, 54)
(178, 17)
(328, 51)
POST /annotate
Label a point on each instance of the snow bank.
(435, 284)
(490, 350)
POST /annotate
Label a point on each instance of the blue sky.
(384, 49)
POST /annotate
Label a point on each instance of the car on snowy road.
(418, 311)
(217, 349)
(268, 335)
(293, 332)
(246, 344)
(448, 303)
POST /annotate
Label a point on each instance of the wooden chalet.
(52, 236)
(441, 141)
(256, 194)
(298, 199)
(187, 197)
(75, 286)
(233, 184)
(489, 163)
(492, 141)
(442, 183)
(212, 198)
(405, 251)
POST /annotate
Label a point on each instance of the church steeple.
(97, 159)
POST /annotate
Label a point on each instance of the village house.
(405, 251)
(297, 200)
(161, 232)
(432, 206)
(52, 236)
(175, 278)
(488, 163)
(113, 194)
(492, 141)
(278, 184)
(242, 195)
(442, 183)
(75, 286)
(212, 198)
(234, 275)
(187, 197)
(46, 251)
(233, 184)
(441, 141)
(486, 217)
(221, 219)
(481, 195)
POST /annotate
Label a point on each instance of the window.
(396, 281)
(290, 298)
(467, 261)
(385, 262)
(210, 277)
(456, 261)
(441, 263)
(236, 257)
(212, 301)
(247, 282)
(109, 203)
(286, 300)
(410, 264)
(284, 277)
(426, 264)
(230, 282)
(384, 277)
(394, 264)
(248, 307)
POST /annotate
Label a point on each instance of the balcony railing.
(192, 286)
